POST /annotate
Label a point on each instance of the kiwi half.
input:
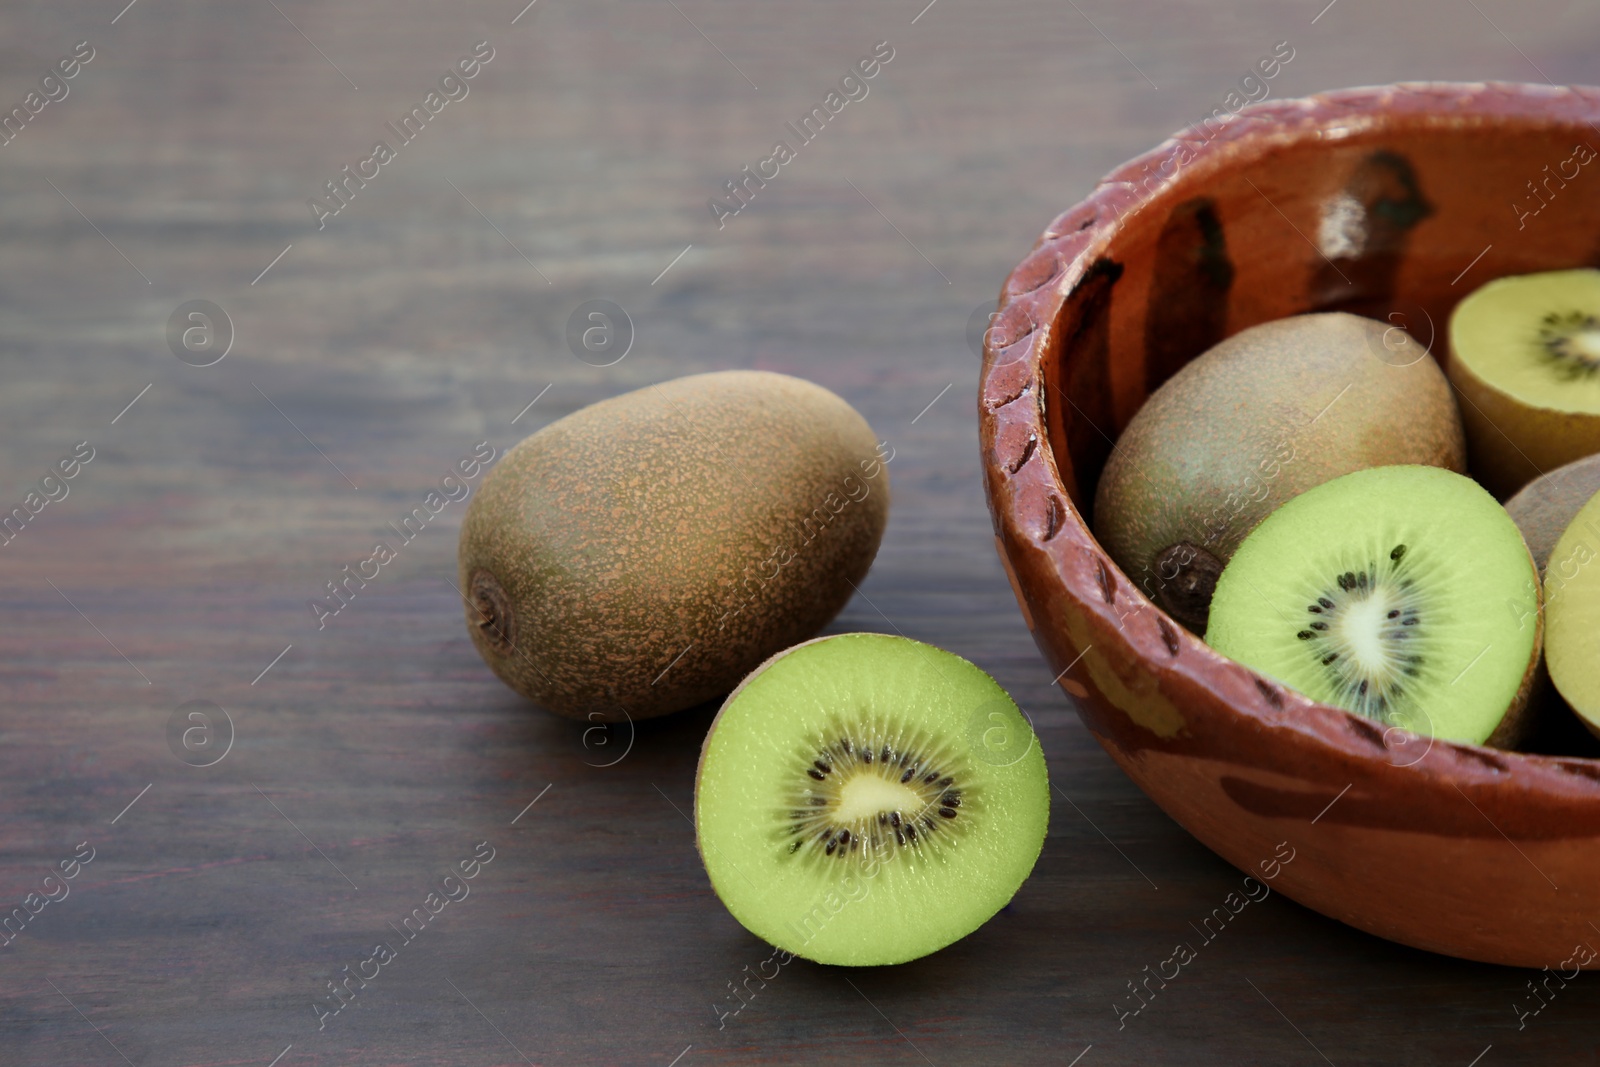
(1525, 355)
(1404, 594)
(865, 799)
(1572, 604)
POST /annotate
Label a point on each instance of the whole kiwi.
(642, 554)
(1259, 418)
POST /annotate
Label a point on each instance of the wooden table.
(369, 355)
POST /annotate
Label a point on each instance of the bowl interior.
(1394, 216)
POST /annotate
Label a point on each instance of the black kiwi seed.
(823, 767)
(1399, 550)
(1305, 635)
(813, 772)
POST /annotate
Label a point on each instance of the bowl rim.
(1040, 530)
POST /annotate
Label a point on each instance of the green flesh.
(1405, 594)
(820, 846)
(1572, 614)
(1535, 337)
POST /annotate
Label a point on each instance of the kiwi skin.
(641, 555)
(1250, 423)
(1547, 505)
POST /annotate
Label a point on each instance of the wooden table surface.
(370, 354)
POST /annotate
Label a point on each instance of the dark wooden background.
(380, 750)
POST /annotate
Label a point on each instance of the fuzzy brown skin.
(1545, 506)
(726, 514)
(1256, 420)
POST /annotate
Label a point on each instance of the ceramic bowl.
(1394, 202)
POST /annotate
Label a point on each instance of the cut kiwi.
(865, 799)
(1404, 594)
(1525, 355)
(1272, 411)
(1572, 606)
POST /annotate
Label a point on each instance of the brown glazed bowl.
(1393, 202)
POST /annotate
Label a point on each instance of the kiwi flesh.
(1404, 594)
(1525, 356)
(1546, 506)
(1252, 422)
(866, 799)
(1572, 607)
